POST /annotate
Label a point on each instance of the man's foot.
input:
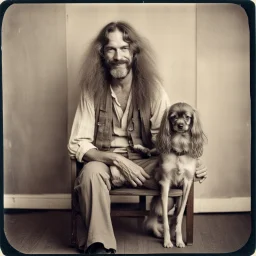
(98, 248)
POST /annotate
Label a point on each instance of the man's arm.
(131, 171)
(82, 132)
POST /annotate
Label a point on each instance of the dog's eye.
(186, 116)
(174, 117)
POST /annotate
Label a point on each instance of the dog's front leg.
(186, 189)
(165, 186)
(174, 219)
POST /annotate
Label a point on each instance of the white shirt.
(82, 132)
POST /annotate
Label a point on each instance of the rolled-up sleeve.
(82, 131)
(158, 106)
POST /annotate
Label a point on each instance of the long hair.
(95, 77)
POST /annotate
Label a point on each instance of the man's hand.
(201, 171)
(131, 171)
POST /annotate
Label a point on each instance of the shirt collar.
(115, 97)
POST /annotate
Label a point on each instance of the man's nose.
(117, 55)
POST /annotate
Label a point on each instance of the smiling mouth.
(119, 65)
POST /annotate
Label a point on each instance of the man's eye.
(109, 50)
(126, 48)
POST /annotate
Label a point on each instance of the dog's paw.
(180, 244)
(140, 148)
(168, 243)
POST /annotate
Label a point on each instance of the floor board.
(48, 232)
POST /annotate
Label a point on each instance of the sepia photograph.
(126, 128)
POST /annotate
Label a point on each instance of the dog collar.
(182, 153)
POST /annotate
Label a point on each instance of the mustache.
(118, 62)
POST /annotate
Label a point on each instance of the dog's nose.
(180, 125)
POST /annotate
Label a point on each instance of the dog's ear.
(163, 139)
(198, 137)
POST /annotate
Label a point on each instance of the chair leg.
(73, 223)
(143, 203)
(142, 207)
(190, 216)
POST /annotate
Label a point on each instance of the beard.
(119, 69)
(119, 73)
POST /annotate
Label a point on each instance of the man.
(121, 105)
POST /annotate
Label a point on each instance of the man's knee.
(94, 169)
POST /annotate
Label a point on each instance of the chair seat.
(143, 192)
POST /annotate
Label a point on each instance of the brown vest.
(138, 128)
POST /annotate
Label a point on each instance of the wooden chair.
(141, 211)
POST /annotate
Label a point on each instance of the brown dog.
(179, 142)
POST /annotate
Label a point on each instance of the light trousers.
(94, 223)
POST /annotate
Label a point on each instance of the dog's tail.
(153, 225)
(153, 222)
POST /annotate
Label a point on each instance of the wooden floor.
(48, 232)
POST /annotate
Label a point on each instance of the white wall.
(223, 98)
(35, 99)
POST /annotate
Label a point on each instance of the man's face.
(117, 55)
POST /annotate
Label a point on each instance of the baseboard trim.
(233, 204)
(63, 201)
